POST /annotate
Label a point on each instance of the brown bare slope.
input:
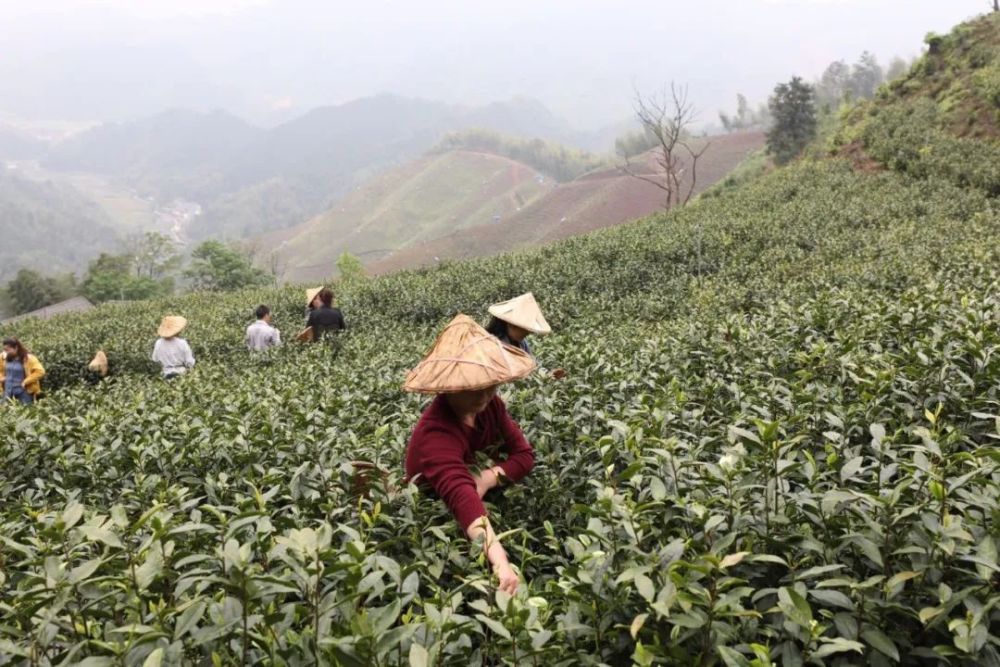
(601, 199)
(421, 200)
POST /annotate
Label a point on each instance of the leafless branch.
(666, 117)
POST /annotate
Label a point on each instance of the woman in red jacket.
(464, 368)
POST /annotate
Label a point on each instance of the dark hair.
(326, 296)
(497, 327)
(22, 352)
(262, 311)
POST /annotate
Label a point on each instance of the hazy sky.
(268, 59)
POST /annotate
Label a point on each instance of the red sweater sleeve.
(442, 466)
(520, 455)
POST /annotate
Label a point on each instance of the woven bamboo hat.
(99, 364)
(311, 294)
(171, 326)
(465, 357)
(522, 311)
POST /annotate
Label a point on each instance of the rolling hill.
(421, 200)
(602, 198)
(40, 223)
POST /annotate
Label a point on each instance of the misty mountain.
(250, 179)
(176, 153)
(18, 145)
(41, 223)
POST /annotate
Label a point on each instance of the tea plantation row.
(776, 444)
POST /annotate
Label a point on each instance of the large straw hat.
(171, 326)
(522, 311)
(465, 357)
(311, 294)
(99, 364)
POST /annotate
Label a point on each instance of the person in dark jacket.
(325, 318)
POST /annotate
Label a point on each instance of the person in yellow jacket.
(20, 372)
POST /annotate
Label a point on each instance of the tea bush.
(776, 444)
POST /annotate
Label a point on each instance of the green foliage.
(112, 277)
(752, 167)
(635, 143)
(153, 255)
(552, 159)
(30, 290)
(143, 272)
(776, 450)
(776, 445)
(349, 268)
(216, 267)
(908, 137)
(40, 223)
(745, 118)
(794, 124)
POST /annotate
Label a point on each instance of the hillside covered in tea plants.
(776, 443)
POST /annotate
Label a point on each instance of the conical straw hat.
(99, 364)
(171, 326)
(311, 294)
(522, 311)
(465, 357)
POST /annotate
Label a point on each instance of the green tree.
(834, 85)
(111, 277)
(30, 290)
(866, 76)
(350, 268)
(794, 113)
(217, 267)
(154, 255)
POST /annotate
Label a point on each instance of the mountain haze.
(305, 164)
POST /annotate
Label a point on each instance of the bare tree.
(667, 117)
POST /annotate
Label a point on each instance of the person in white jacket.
(171, 351)
(262, 335)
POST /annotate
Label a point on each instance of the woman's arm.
(443, 467)
(495, 553)
(35, 371)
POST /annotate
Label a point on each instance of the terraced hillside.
(423, 199)
(604, 198)
(449, 207)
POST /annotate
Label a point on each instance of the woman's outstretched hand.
(486, 480)
(494, 553)
(508, 578)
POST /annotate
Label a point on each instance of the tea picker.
(464, 368)
(20, 373)
(514, 320)
(171, 351)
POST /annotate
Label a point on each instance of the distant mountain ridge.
(41, 223)
(223, 163)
